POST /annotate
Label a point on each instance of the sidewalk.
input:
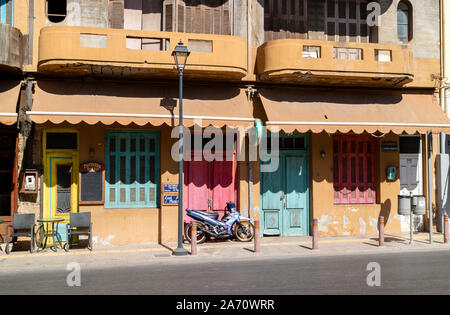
(270, 246)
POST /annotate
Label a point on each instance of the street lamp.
(180, 54)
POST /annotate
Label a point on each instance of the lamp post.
(180, 54)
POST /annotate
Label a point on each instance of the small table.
(53, 233)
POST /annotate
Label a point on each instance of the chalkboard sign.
(92, 178)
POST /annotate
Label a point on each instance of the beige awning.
(139, 103)
(355, 111)
(9, 96)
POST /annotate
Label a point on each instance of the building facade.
(350, 94)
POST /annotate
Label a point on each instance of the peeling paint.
(346, 221)
(373, 223)
(98, 240)
(362, 228)
(324, 222)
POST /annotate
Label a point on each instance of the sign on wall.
(92, 178)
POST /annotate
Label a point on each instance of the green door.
(285, 196)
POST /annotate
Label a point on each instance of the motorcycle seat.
(212, 215)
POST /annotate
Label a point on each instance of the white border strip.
(315, 123)
(136, 115)
(8, 114)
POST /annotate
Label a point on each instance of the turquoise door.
(285, 196)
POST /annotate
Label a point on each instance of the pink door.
(209, 185)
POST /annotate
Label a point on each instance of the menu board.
(92, 179)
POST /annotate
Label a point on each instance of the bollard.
(381, 231)
(256, 238)
(445, 228)
(194, 238)
(315, 235)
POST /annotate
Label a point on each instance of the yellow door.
(60, 189)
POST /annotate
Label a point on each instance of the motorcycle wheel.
(201, 234)
(244, 231)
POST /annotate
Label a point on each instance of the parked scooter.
(209, 225)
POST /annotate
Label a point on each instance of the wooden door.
(209, 185)
(8, 178)
(60, 189)
(285, 192)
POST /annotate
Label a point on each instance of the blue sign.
(389, 146)
(170, 199)
(171, 188)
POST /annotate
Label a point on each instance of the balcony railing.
(326, 62)
(115, 52)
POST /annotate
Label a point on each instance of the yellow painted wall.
(155, 225)
(353, 219)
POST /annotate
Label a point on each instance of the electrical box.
(29, 182)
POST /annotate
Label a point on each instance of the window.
(132, 169)
(56, 10)
(354, 169)
(404, 31)
(346, 21)
(61, 140)
(6, 11)
(198, 16)
(285, 19)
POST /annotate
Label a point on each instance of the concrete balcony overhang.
(11, 50)
(79, 51)
(312, 62)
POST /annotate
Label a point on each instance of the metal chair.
(23, 225)
(80, 224)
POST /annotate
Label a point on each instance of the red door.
(209, 185)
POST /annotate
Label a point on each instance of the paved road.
(401, 273)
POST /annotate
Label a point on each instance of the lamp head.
(180, 54)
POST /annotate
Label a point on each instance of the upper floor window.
(198, 16)
(334, 20)
(56, 10)
(6, 11)
(404, 26)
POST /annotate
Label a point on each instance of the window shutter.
(169, 15)
(115, 12)
(198, 16)
(285, 19)
(181, 16)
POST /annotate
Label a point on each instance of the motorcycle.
(230, 225)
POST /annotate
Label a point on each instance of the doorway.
(285, 192)
(411, 175)
(60, 178)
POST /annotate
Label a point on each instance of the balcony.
(79, 51)
(314, 62)
(11, 50)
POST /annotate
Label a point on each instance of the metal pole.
(411, 234)
(257, 241)
(430, 202)
(315, 236)
(381, 231)
(180, 250)
(445, 228)
(194, 238)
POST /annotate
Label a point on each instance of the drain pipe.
(249, 35)
(430, 201)
(30, 31)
